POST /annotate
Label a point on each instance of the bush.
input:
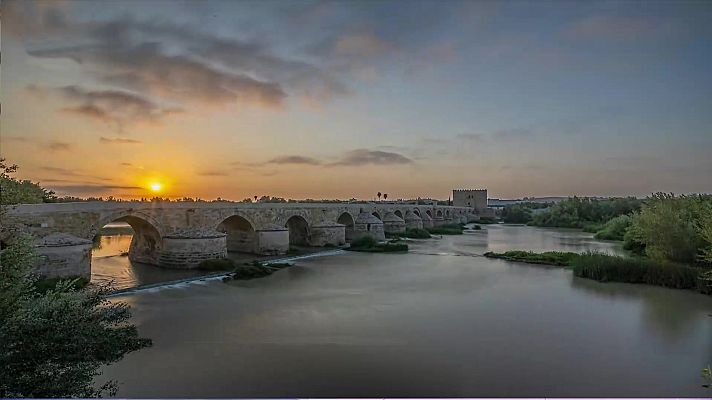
(368, 244)
(559, 258)
(76, 283)
(250, 271)
(364, 241)
(614, 229)
(416, 233)
(447, 229)
(608, 268)
(218, 264)
(477, 227)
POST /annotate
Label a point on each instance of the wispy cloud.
(212, 173)
(372, 157)
(294, 160)
(106, 140)
(56, 146)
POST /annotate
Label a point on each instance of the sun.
(156, 187)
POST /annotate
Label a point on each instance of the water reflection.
(440, 321)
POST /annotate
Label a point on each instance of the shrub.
(218, 264)
(76, 283)
(416, 233)
(248, 271)
(477, 227)
(559, 258)
(608, 268)
(614, 229)
(447, 229)
(364, 241)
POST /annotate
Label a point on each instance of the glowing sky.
(344, 99)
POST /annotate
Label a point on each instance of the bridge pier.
(272, 239)
(188, 248)
(327, 233)
(438, 220)
(63, 255)
(412, 220)
(393, 224)
(367, 224)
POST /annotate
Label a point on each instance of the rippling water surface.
(439, 321)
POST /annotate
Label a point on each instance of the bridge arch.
(377, 215)
(298, 230)
(349, 223)
(147, 240)
(439, 213)
(240, 234)
(398, 213)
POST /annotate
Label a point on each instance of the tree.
(385, 196)
(53, 342)
(379, 196)
(13, 191)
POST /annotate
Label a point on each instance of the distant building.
(474, 198)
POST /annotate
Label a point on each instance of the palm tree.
(385, 196)
(255, 199)
(379, 196)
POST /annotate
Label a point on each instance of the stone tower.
(475, 198)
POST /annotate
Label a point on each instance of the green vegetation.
(55, 334)
(218, 264)
(54, 340)
(45, 285)
(608, 268)
(614, 229)
(576, 212)
(558, 258)
(446, 229)
(486, 221)
(411, 233)
(250, 271)
(477, 227)
(521, 213)
(676, 229)
(294, 251)
(370, 245)
(14, 191)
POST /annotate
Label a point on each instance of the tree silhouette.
(385, 196)
(379, 196)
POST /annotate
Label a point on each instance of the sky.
(343, 99)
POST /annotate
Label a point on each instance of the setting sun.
(155, 186)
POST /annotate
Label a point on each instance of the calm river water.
(438, 321)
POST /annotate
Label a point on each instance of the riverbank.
(612, 268)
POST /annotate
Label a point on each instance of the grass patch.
(558, 258)
(608, 268)
(45, 285)
(447, 229)
(218, 264)
(370, 245)
(250, 271)
(411, 233)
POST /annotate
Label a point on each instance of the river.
(440, 321)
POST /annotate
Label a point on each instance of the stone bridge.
(182, 234)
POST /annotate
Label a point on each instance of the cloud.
(173, 61)
(372, 157)
(15, 139)
(212, 173)
(294, 160)
(56, 145)
(119, 141)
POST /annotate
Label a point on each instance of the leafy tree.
(517, 214)
(669, 226)
(13, 191)
(385, 196)
(53, 342)
(379, 196)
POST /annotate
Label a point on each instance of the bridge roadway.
(182, 234)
